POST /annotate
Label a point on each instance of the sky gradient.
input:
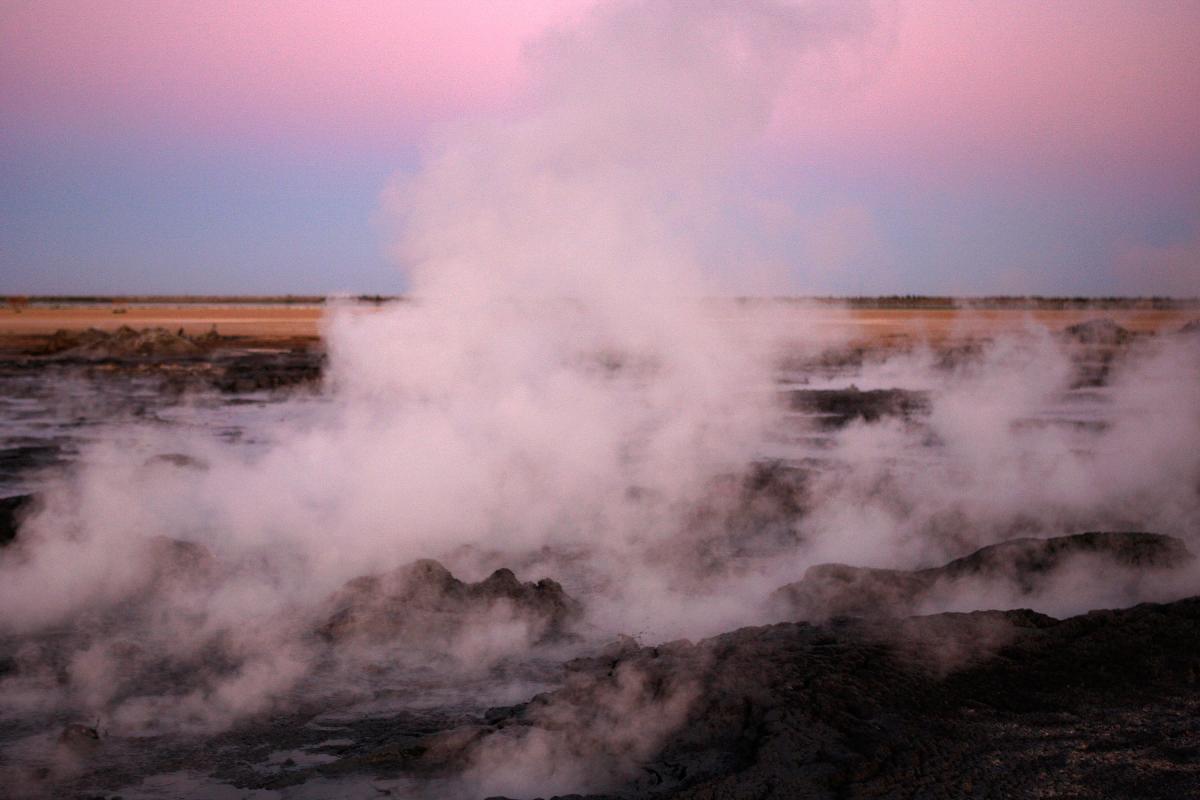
(954, 147)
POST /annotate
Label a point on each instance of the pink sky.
(1062, 83)
(292, 70)
(1054, 85)
(1054, 141)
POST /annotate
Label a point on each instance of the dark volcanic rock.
(1098, 332)
(840, 406)
(1098, 706)
(423, 602)
(13, 511)
(257, 371)
(1013, 569)
(79, 737)
(182, 361)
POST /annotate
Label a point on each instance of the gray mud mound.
(1098, 332)
(1012, 572)
(424, 602)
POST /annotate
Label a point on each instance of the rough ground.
(990, 704)
(983, 705)
(181, 360)
(1013, 569)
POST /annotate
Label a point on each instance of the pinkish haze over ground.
(942, 147)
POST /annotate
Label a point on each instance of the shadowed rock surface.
(13, 511)
(1013, 569)
(838, 407)
(258, 371)
(1098, 332)
(983, 705)
(1098, 344)
(423, 601)
(229, 364)
(1097, 706)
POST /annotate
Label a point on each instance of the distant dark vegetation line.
(1016, 302)
(906, 301)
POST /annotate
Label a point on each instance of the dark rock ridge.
(1017, 568)
(840, 406)
(424, 602)
(982, 705)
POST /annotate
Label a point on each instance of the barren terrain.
(943, 553)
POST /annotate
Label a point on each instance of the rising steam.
(561, 395)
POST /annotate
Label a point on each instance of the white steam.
(561, 388)
(563, 396)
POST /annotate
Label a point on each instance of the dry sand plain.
(258, 321)
(304, 321)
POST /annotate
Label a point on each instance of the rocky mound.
(1007, 571)
(125, 342)
(424, 602)
(989, 704)
(1191, 328)
(1098, 332)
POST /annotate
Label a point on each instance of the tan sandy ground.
(263, 322)
(939, 324)
(269, 322)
